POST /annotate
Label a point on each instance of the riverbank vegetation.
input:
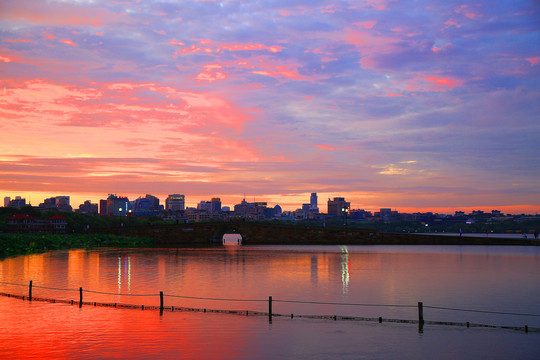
(22, 244)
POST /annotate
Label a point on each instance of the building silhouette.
(336, 207)
(175, 202)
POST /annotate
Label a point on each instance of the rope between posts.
(204, 298)
(285, 301)
(334, 303)
(478, 311)
(3, 282)
(119, 294)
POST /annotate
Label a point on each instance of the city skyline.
(430, 106)
(322, 204)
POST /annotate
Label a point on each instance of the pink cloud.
(451, 22)
(281, 72)
(58, 14)
(211, 73)
(209, 47)
(366, 24)
(284, 13)
(68, 42)
(255, 46)
(330, 9)
(19, 40)
(448, 82)
(176, 42)
(325, 147)
(5, 59)
(534, 60)
(432, 83)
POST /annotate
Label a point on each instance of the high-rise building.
(62, 203)
(204, 206)
(215, 205)
(314, 207)
(337, 206)
(7, 199)
(102, 207)
(175, 202)
(154, 200)
(117, 206)
(18, 202)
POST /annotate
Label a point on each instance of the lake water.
(486, 278)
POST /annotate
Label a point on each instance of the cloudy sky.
(414, 105)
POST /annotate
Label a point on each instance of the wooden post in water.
(420, 317)
(270, 309)
(80, 297)
(30, 291)
(161, 302)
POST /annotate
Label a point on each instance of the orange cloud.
(68, 42)
(19, 40)
(209, 47)
(5, 59)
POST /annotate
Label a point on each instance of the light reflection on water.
(486, 278)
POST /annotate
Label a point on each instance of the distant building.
(102, 207)
(336, 207)
(253, 210)
(18, 202)
(60, 203)
(87, 208)
(313, 206)
(7, 199)
(24, 223)
(117, 206)
(204, 206)
(215, 205)
(155, 202)
(386, 214)
(175, 202)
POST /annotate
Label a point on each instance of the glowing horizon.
(427, 106)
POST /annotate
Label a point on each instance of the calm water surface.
(503, 279)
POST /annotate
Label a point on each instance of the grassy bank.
(21, 244)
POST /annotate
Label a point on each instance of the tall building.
(7, 199)
(62, 203)
(102, 207)
(154, 200)
(57, 202)
(336, 207)
(204, 206)
(117, 206)
(18, 202)
(314, 207)
(175, 202)
(215, 205)
(88, 208)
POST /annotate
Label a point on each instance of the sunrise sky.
(413, 105)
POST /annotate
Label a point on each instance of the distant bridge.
(275, 233)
